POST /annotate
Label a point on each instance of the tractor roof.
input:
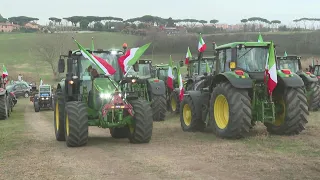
(99, 50)
(249, 44)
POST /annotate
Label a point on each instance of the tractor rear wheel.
(158, 105)
(76, 124)
(293, 116)
(190, 119)
(119, 132)
(58, 119)
(230, 111)
(174, 102)
(140, 131)
(3, 107)
(314, 97)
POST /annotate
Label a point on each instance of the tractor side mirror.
(61, 66)
(181, 63)
(136, 67)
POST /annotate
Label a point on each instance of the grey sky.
(230, 11)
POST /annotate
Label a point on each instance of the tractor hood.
(105, 86)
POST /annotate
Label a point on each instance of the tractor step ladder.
(268, 111)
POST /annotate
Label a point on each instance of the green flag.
(285, 54)
(260, 38)
(207, 67)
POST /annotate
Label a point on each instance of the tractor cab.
(143, 69)
(292, 62)
(316, 71)
(45, 91)
(161, 71)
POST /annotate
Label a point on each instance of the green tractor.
(293, 63)
(82, 101)
(5, 106)
(172, 97)
(149, 88)
(316, 71)
(236, 96)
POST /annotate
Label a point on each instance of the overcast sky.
(226, 11)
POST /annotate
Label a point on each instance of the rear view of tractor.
(82, 100)
(5, 106)
(149, 88)
(293, 63)
(238, 97)
(315, 69)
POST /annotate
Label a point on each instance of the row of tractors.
(229, 100)
(7, 100)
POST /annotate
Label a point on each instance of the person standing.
(19, 77)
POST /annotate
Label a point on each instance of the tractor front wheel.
(158, 105)
(190, 119)
(293, 115)
(314, 97)
(58, 121)
(76, 124)
(140, 130)
(174, 102)
(4, 107)
(230, 111)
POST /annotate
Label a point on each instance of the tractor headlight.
(42, 98)
(114, 52)
(105, 96)
(133, 80)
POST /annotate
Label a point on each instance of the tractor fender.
(36, 98)
(241, 83)
(307, 79)
(293, 81)
(3, 92)
(157, 87)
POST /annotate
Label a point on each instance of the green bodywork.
(160, 71)
(102, 91)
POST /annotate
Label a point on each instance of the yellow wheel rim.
(221, 111)
(187, 114)
(173, 104)
(57, 116)
(67, 124)
(280, 117)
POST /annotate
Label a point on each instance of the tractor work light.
(133, 80)
(105, 96)
(286, 71)
(114, 52)
(71, 82)
(232, 65)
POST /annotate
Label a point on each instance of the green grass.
(12, 129)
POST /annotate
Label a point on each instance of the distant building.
(8, 27)
(32, 25)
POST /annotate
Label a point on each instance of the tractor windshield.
(110, 58)
(317, 71)
(45, 89)
(252, 59)
(203, 67)
(163, 73)
(144, 71)
(293, 65)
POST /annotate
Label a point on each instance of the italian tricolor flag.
(99, 62)
(131, 57)
(271, 71)
(188, 56)
(181, 94)
(170, 75)
(202, 45)
(4, 71)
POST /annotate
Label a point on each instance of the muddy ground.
(171, 154)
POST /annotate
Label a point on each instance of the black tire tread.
(78, 124)
(240, 113)
(314, 97)
(60, 134)
(3, 103)
(158, 105)
(296, 113)
(196, 123)
(143, 122)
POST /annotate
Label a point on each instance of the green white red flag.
(188, 56)
(170, 75)
(181, 94)
(4, 71)
(99, 62)
(131, 57)
(202, 45)
(271, 70)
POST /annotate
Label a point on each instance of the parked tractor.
(149, 88)
(172, 96)
(5, 105)
(44, 98)
(293, 63)
(316, 71)
(82, 101)
(237, 97)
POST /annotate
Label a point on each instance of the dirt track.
(172, 154)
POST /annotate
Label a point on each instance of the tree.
(2, 19)
(170, 22)
(203, 22)
(74, 19)
(275, 23)
(55, 20)
(244, 22)
(84, 23)
(214, 21)
(22, 20)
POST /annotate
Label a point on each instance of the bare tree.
(48, 50)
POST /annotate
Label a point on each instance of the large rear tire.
(190, 119)
(314, 97)
(59, 117)
(76, 124)
(4, 107)
(140, 131)
(230, 111)
(292, 119)
(158, 105)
